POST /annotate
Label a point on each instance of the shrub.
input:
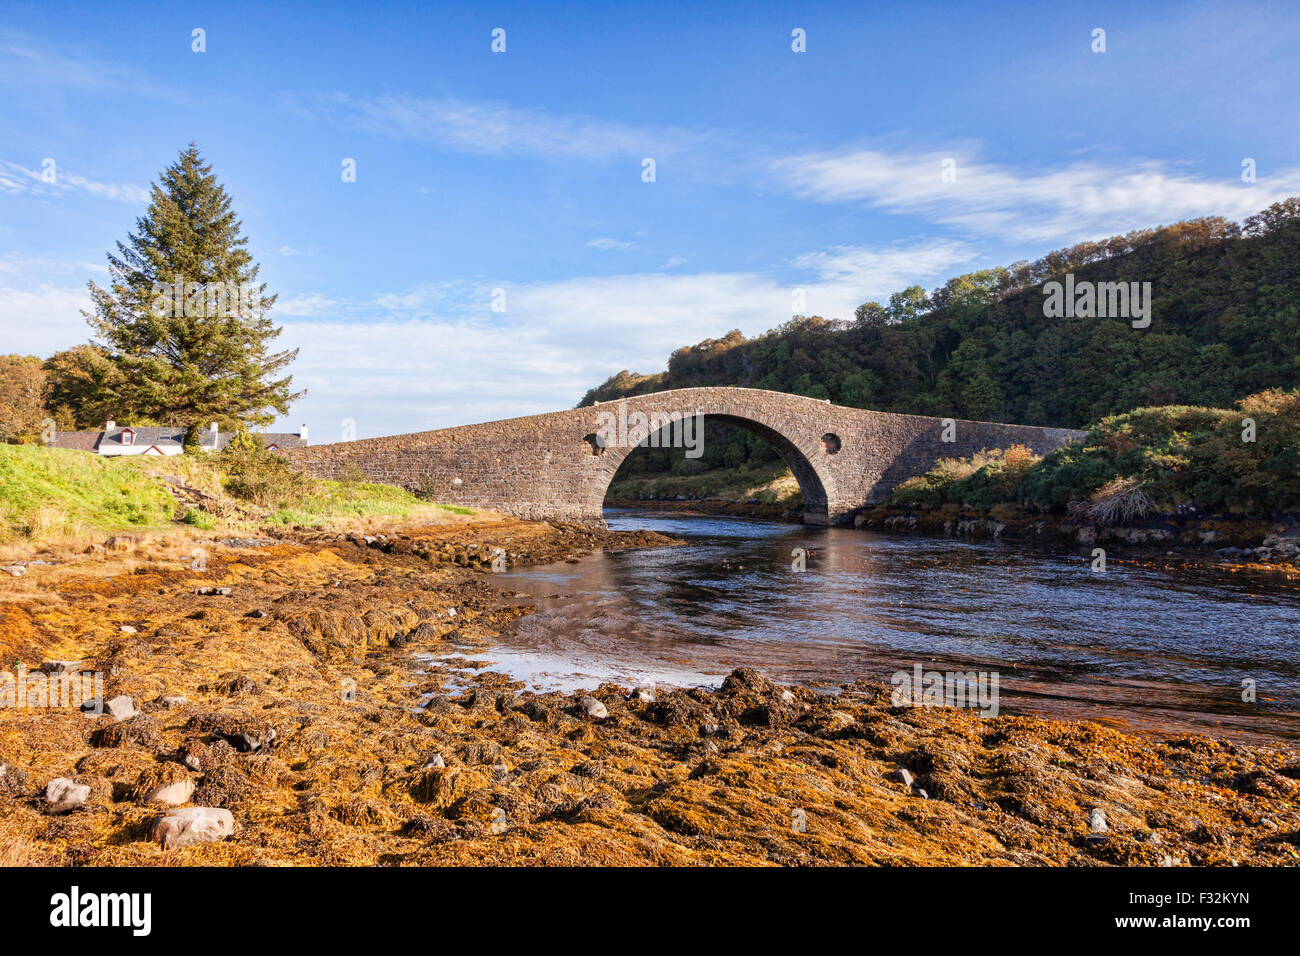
(252, 473)
(200, 519)
(1119, 501)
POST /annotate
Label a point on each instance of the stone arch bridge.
(558, 465)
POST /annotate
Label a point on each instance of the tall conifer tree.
(183, 322)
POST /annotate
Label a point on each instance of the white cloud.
(20, 179)
(611, 245)
(304, 305)
(673, 262)
(1082, 200)
(43, 319)
(439, 356)
(496, 128)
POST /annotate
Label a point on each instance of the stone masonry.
(553, 466)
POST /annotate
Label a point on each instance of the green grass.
(335, 500)
(770, 484)
(52, 494)
(50, 491)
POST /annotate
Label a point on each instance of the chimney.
(110, 425)
(302, 433)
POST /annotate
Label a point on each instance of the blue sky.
(522, 171)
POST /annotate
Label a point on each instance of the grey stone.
(121, 707)
(178, 828)
(174, 700)
(434, 762)
(644, 694)
(61, 667)
(62, 794)
(1097, 820)
(903, 776)
(593, 708)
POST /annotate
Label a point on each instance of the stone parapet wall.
(544, 466)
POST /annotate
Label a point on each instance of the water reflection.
(1151, 648)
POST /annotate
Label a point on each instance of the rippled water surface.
(1146, 647)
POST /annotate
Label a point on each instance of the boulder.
(185, 827)
(62, 795)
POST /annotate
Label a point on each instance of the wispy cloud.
(497, 128)
(305, 305)
(15, 178)
(611, 245)
(385, 361)
(28, 63)
(1081, 200)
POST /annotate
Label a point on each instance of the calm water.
(1147, 647)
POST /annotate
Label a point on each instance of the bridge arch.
(802, 463)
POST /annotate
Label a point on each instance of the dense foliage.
(1244, 460)
(1225, 324)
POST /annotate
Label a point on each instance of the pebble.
(920, 792)
(434, 762)
(787, 697)
(903, 776)
(61, 667)
(128, 629)
(178, 828)
(63, 794)
(646, 694)
(1097, 820)
(17, 570)
(593, 708)
(175, 700)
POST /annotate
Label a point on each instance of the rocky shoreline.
(328, 701)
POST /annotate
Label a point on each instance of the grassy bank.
(52, 497)
(1162, 460)
(757, 484)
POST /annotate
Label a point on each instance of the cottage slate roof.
(77, 441)
(162, 436)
